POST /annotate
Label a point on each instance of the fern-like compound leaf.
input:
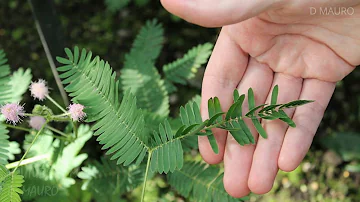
(200, 183)
(140, 75)
(186, 67)
(12, 87)
(167, 153)
(4, 145)
(147, 45)
(107, 181)
(5, 94)
(120, 127)
(146, 84)
(10, 185)
(19, 82)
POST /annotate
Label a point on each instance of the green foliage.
(116, 5)
(10, 185)
(167, 152)
(14, 148)
(4, 145)
(69, 157)
(140, 74)
(108, 181)
(19, 82)
(200, 182)
(5, 93)
(93, 84)
(119, 127)
(345, 144)
(12, 86)
(185, 68)
(40, 185)
(50, 179)
(147, 45)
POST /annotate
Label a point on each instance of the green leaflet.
(256, 122)
(213, 143)
(274, 95)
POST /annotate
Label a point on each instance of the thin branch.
(56, 104)
(56, 131)
(27, 151)
(146, 176)
(50, 59)
(18, 128)
(27, 161)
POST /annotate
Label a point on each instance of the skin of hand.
(268, 43)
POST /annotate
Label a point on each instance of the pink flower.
(36, 122)
(39, 89)
(12, 112)
(76, 112)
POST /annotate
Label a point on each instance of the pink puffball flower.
(76, 112)
(12, 112)
(37, 122)
(39, 89)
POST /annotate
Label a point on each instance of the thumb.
(217, 13)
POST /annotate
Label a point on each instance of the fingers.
(238, 158)
(307, 118)
(223, 73)
(265, 160)
(215, 13)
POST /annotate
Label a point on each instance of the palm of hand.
(316, 47)
(305, 55)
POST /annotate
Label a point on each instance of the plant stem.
(56, 131)
(75, 129)
(27, 161)
(49, 57)
(18, 128)
(56, 104)
(61, 115)
(56, 136)
(26, 114)
(146, 176)
(27, 151)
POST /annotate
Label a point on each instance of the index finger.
(215, 13)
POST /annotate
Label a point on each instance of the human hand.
(268, 43)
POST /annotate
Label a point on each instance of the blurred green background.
(330, 171)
